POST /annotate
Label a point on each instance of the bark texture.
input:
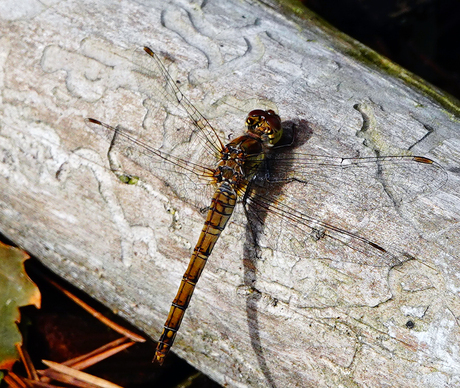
(275, 321)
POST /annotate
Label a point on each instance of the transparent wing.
(155, 81)
(178, 145)
(284, 227)
(193, 182)
(365, 183)
(292, 223)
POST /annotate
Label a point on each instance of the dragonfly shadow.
(295, 134)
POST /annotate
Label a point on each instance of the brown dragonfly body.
(240, 161)
(234, 171)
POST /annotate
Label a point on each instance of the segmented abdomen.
(222, 205)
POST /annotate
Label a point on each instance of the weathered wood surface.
(278, 321)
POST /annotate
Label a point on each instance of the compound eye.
(257, 113)
(274, 121)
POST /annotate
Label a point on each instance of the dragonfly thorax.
(240, 160)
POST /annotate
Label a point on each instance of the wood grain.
(276, 321)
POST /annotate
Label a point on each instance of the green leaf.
(16, 289)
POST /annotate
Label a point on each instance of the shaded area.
(294, 135)
(420, 35)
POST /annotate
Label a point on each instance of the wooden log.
(259, 317)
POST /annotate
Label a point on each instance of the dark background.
(422, 36)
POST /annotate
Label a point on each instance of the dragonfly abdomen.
(222, 205)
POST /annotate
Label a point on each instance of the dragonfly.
(251, 169)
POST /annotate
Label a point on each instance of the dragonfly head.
(265, 124)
